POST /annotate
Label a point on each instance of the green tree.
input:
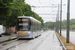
(72, 24)
(50, 25)
(11, 9)
(5, 11)
(36, 16)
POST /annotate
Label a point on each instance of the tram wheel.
(0, 35)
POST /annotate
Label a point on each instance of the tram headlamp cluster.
(29, 32)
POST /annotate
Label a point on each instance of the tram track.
(12, 44)
(26, 42)
(5, 43)
(17, 45)
(41, 42)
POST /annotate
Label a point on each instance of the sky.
(52, 10)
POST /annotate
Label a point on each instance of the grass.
(9, 38)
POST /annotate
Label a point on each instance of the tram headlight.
(29, 32)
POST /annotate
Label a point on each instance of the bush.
(6, 34)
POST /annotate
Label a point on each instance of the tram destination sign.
(23, 19)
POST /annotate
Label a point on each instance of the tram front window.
(23, 27)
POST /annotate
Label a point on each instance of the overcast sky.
(50, 10)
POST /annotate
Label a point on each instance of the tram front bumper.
(23, 36)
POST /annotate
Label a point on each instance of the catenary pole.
(68, 22)
(60, 16)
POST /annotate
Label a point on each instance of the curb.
(7, 40)
(63, 47)
(69, 46)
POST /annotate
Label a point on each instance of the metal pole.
(60, 16)
(68, 17)
(33, 11)
(56, 24)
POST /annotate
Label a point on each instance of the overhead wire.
(43, 8)
(41, 5)
(28, 1)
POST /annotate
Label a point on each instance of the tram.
(28, 27)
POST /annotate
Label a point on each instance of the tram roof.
(29, 17)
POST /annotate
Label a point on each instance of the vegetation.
(9, 38)
(72, 24)
(11, 9)
(49, 25)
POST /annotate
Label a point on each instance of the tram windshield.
(23, 26)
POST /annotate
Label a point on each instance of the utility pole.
(68, 22)
(56, 24)
(60, 16)
(33, 10)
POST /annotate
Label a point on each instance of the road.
(71, 37)
(47, 41)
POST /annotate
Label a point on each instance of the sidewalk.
(6, 38)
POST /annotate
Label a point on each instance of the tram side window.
(37, 27)
(32, 26)
(40, 26)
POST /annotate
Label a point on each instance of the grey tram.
(28, 27)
